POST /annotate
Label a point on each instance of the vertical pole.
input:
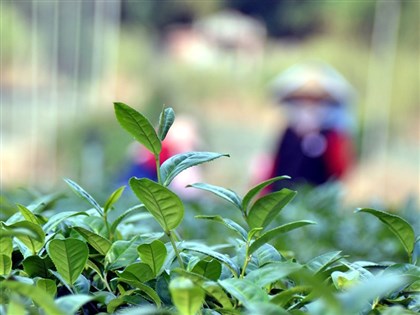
(379, 87)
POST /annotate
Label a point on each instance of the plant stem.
(108, 229)
(159, 175)
(178, 256)
(247, 260)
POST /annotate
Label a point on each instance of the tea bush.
(137, 260)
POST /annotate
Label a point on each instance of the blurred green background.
(63, 64)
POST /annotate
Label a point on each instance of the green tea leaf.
(47, 285)
(166, 119)
(153, 254)
(400, 227)
(144, 288)
(256, 189)
(128, 213)
(121, 254)
(101, 244)
(163, 204)
(27, 214)
(138, 126)
(79, 191)
(69, 257)
(5, 265)
(180, 162)
(265, 209)
(283, 298)
(6, 246)
(226, 222)
(200, 248)
(15, 307)
(224, 193)
(272, 272)
(113, 198)
(210, 269)
(138, 271)
(70, 304)
(186, 296)
(266, 254)
(36, 266)
(211, 288)
(245, 291)
(56, 219)
(277, 232)
(355, 299)
(37, 295)
(30, 234)
(320, 263)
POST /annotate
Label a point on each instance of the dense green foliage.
(95, 262)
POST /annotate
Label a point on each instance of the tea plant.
(89, 262)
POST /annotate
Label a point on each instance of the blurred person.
(316, 146)
(182, 137)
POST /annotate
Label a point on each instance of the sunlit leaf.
(5, 264)
(47, 285)
(153, 254)
(137, 271)
(27, 214)
(180, 162)
(6, 246)
(210, 269)
(186, 296)
(113, 198)
(138, 126)
(30, 234)
(101, 244)
(211, 288)
(265, 209)
(162, 203)
(166, 119)
(69, 257)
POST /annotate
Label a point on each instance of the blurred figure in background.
(182, 137)
(316, 146)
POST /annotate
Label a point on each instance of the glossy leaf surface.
(162, 203)
(138, 126)
(166, 119)
(69, 257)
(153, 254)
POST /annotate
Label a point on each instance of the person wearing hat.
(316, 146)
